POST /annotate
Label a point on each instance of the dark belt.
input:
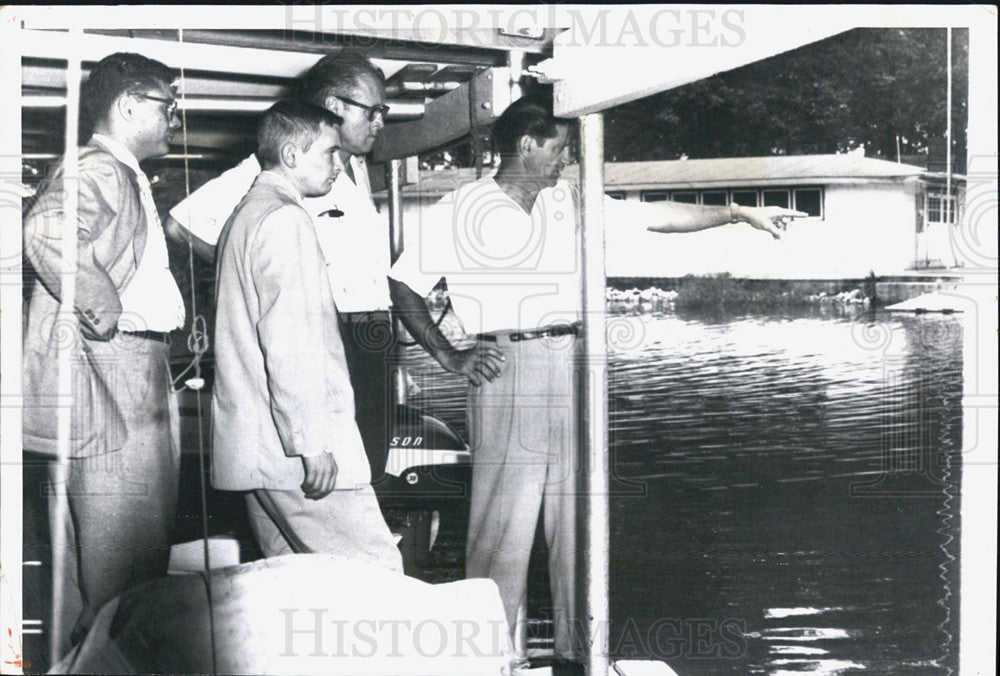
(159, 336)
(364, 317)
(541, 332)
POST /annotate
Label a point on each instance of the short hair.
(528, 116)
(292, 120)
(114, 75)
(337, 73)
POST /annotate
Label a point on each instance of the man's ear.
(124, 106)
(333, 104)
(289, 154)
(525, 144)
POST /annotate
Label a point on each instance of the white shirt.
(506, 269)
(151, 301)
(355, 245)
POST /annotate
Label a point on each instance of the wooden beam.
(456, 73)
(396, 48)
(411, 72)
(447, 117)
(215, 58)
(476, 38)
(50, 75)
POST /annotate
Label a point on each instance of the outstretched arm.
(682, 217)
(479, 364)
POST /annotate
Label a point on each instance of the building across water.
(865, 215)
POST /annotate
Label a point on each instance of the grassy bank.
(728, 295)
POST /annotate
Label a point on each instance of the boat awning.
(233, 74)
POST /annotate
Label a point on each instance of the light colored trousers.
(345, 522)
(524, 437)
(122, 504)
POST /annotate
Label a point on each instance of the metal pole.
(595, 390)
(71, 177)
(947, 175)
(515, 61)
(11, 244)
(978, 504)
(394, 182)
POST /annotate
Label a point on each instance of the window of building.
(616, 194)
(654, 196)
(716, 198)
(940, 208)
(775, 198)
(809, 200)
(745, 198)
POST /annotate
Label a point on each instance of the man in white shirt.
(353, 237)
(282, 404)
(507, 246)
(123, 467)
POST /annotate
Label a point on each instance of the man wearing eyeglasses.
(121, 483)
(353, 237)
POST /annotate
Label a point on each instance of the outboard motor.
(428, 471)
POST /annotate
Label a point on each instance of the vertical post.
(11, 471)
(71, 177)
(394, 183)
(515, 61)
(978, 553)
(948, 212)
(595, 391)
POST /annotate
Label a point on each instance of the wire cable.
(197, 343)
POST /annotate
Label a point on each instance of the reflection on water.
(787, 492)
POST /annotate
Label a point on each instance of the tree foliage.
(862, 87)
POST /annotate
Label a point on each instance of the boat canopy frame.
(477, 68)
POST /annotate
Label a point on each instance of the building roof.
(730, 171)
(705, 174)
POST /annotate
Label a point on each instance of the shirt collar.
(282, 183)
(119, 152)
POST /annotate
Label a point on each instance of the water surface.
(786, 492)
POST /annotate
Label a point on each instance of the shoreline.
(725, 292)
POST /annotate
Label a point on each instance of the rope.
(197, 344)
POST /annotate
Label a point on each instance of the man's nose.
(378, 123)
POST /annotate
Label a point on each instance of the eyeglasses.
(171, 103)
(370, 111)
